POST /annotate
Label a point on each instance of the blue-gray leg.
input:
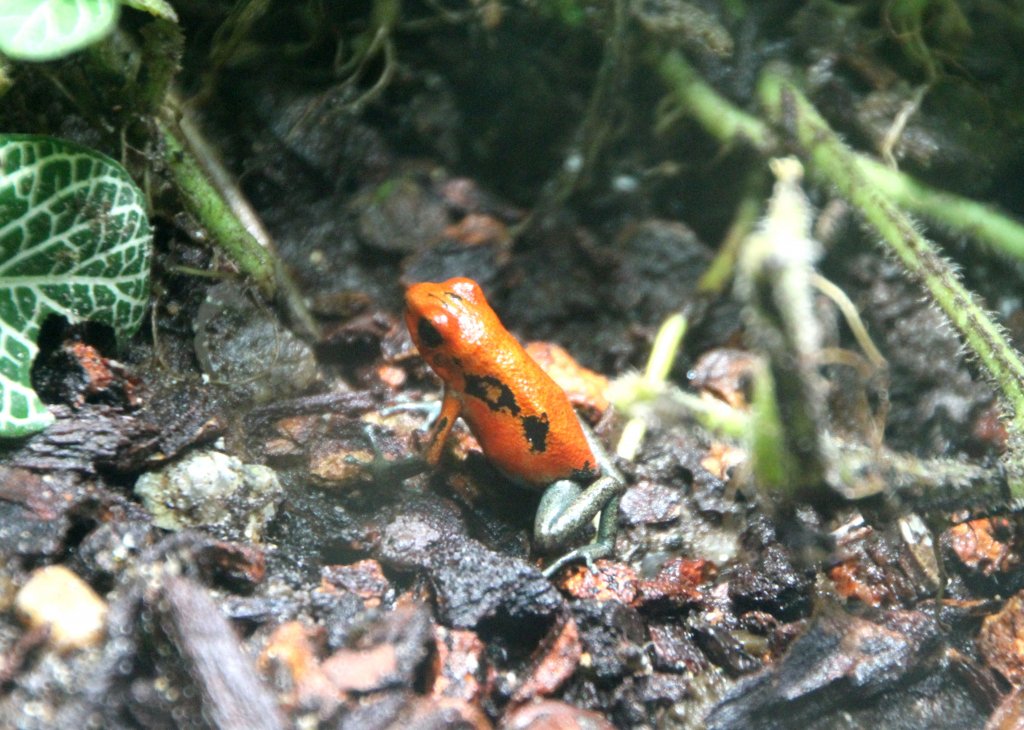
(566, 509)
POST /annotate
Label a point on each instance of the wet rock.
(213, 490)
(661, 689)
(845, 670)
(668, 258)
(771, 583)
(34, 512)
(471, 582)
(341, 613)
(110, 549)
(451, 258)
(674, 650)
(650, 503)
(400, 215)
(723, 646)
(612, 636)
(56, 599)
(245, 347)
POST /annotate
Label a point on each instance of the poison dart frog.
(524, 422)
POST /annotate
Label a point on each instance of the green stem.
(833, 162)
(663, 355)
(730, 125)
(208, 207)
(1003, 234)
(719, 273)
(719, 116)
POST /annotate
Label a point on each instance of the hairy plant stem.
(729, 124)
(213, 199)
(832, 161)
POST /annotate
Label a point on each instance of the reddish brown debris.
(330, 463)
(476, 229)
(1001, 640)
(242, 565)
(290, 657)
(609, 582)
(849, 580)
(458, 669)
(721, 458)
(97, 373)
(585, 388)
(724, 373)
(364, 578)
(559, 655)
(677, 582)
(990, 428)
(1010, 713)
(553, 715)
(979, 545)
(299, 429)
(391, 376)
(362, 670)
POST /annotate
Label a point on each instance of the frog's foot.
(383, 469)
(430, 409)
(588, 554)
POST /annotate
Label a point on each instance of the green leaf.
(42, 30)
(157, 8)
(74, 241)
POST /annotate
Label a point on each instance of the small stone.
(56, 598)
(213, 490)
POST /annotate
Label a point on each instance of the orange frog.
(522, 419)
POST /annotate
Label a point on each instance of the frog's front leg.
(566, 510)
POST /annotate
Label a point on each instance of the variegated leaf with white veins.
(74, 241)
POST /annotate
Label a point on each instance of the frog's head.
(448, 321)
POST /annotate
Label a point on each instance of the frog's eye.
(428, 334)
